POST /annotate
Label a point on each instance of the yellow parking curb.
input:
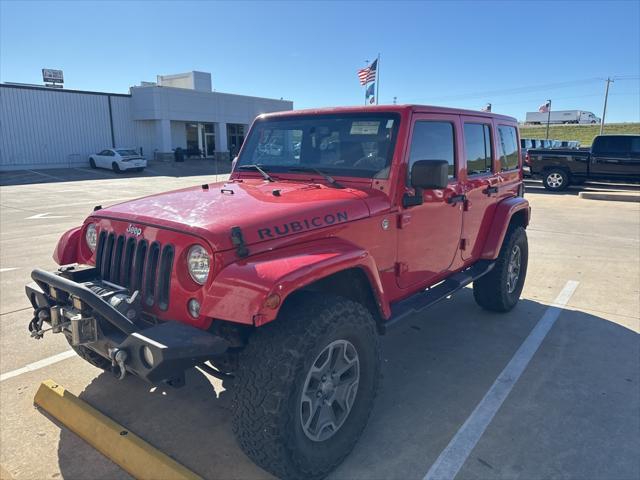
(129, 451)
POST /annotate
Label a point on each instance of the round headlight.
(198, 263)
(91, 236)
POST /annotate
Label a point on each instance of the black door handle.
(456, 199)
(490, 190)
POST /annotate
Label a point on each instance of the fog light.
(147, 356)
(194, 308)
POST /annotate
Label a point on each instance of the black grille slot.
(137, 265)
(151, 275)
(105, 266)
(127, 266)
(116, 260)
(164, 277)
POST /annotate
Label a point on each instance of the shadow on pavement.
(190, 167)
(573, 413)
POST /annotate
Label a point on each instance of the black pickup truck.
(612, 158)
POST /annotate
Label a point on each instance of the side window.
(477, 143)
(104, 153)
(433, 141)
(635, 145)
(507, 148)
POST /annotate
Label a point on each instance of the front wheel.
(92, 163)
(116, 167)
(500, 289)
(306, 385)
(555, 180)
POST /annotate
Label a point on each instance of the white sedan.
(118, 160)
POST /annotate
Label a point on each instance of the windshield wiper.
(259, 169)
(332, 181)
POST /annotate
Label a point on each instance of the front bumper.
(75, 304)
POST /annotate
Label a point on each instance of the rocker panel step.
(430, 296)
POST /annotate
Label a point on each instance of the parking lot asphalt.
(574, 412)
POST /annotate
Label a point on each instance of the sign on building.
(52, 76)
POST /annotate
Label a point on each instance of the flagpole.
(365, 86)
(548, 117)
(378, 79)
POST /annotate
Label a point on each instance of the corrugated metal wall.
(42, 128)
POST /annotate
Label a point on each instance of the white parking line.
(45, 175)
(45, 362)
(450, 461)
(8, 269)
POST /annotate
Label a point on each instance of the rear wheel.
(500, 289)
(306, 385)
(555, 180)
(92, 163)
(116, 167)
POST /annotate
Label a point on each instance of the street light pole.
(604, 109)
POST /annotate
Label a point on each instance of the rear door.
(610, 156)
(429, 234)
(481, 184)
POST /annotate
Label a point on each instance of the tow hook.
(40, 315)
(118, 358)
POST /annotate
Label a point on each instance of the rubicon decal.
(301, 225)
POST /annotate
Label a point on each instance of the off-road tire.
(90, 356)
(550, 179)
(92, 163)
(490, 291)
(116, 167)
(271, 376)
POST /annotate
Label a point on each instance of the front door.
(481, 184)
(209, 144)
(429, 234)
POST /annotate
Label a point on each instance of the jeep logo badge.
(133, 230)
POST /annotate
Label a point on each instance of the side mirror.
(426, 174)
(430, 174)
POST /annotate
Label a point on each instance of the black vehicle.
(612, 158)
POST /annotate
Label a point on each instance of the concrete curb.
(125, 448)
(611, 196)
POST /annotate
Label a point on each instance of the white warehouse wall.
(41, 128)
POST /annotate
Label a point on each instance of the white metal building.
(43, 127)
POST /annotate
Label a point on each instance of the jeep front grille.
(137, 265)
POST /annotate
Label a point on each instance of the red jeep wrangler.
(335, 223)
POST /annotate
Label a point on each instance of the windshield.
(128, 153)
(351, 145)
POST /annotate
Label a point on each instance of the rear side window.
(635, 144)
(611, 144)
(507, 148)
(433, 141)
(477, 145)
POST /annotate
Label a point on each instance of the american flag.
(368, 74)
(544, 108)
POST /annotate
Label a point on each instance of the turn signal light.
(272, 301)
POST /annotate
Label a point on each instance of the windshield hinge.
(238, 241)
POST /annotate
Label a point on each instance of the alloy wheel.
(329, 390)
(513, 269)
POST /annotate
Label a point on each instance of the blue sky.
(512, 54)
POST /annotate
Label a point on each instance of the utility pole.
(604, 109)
